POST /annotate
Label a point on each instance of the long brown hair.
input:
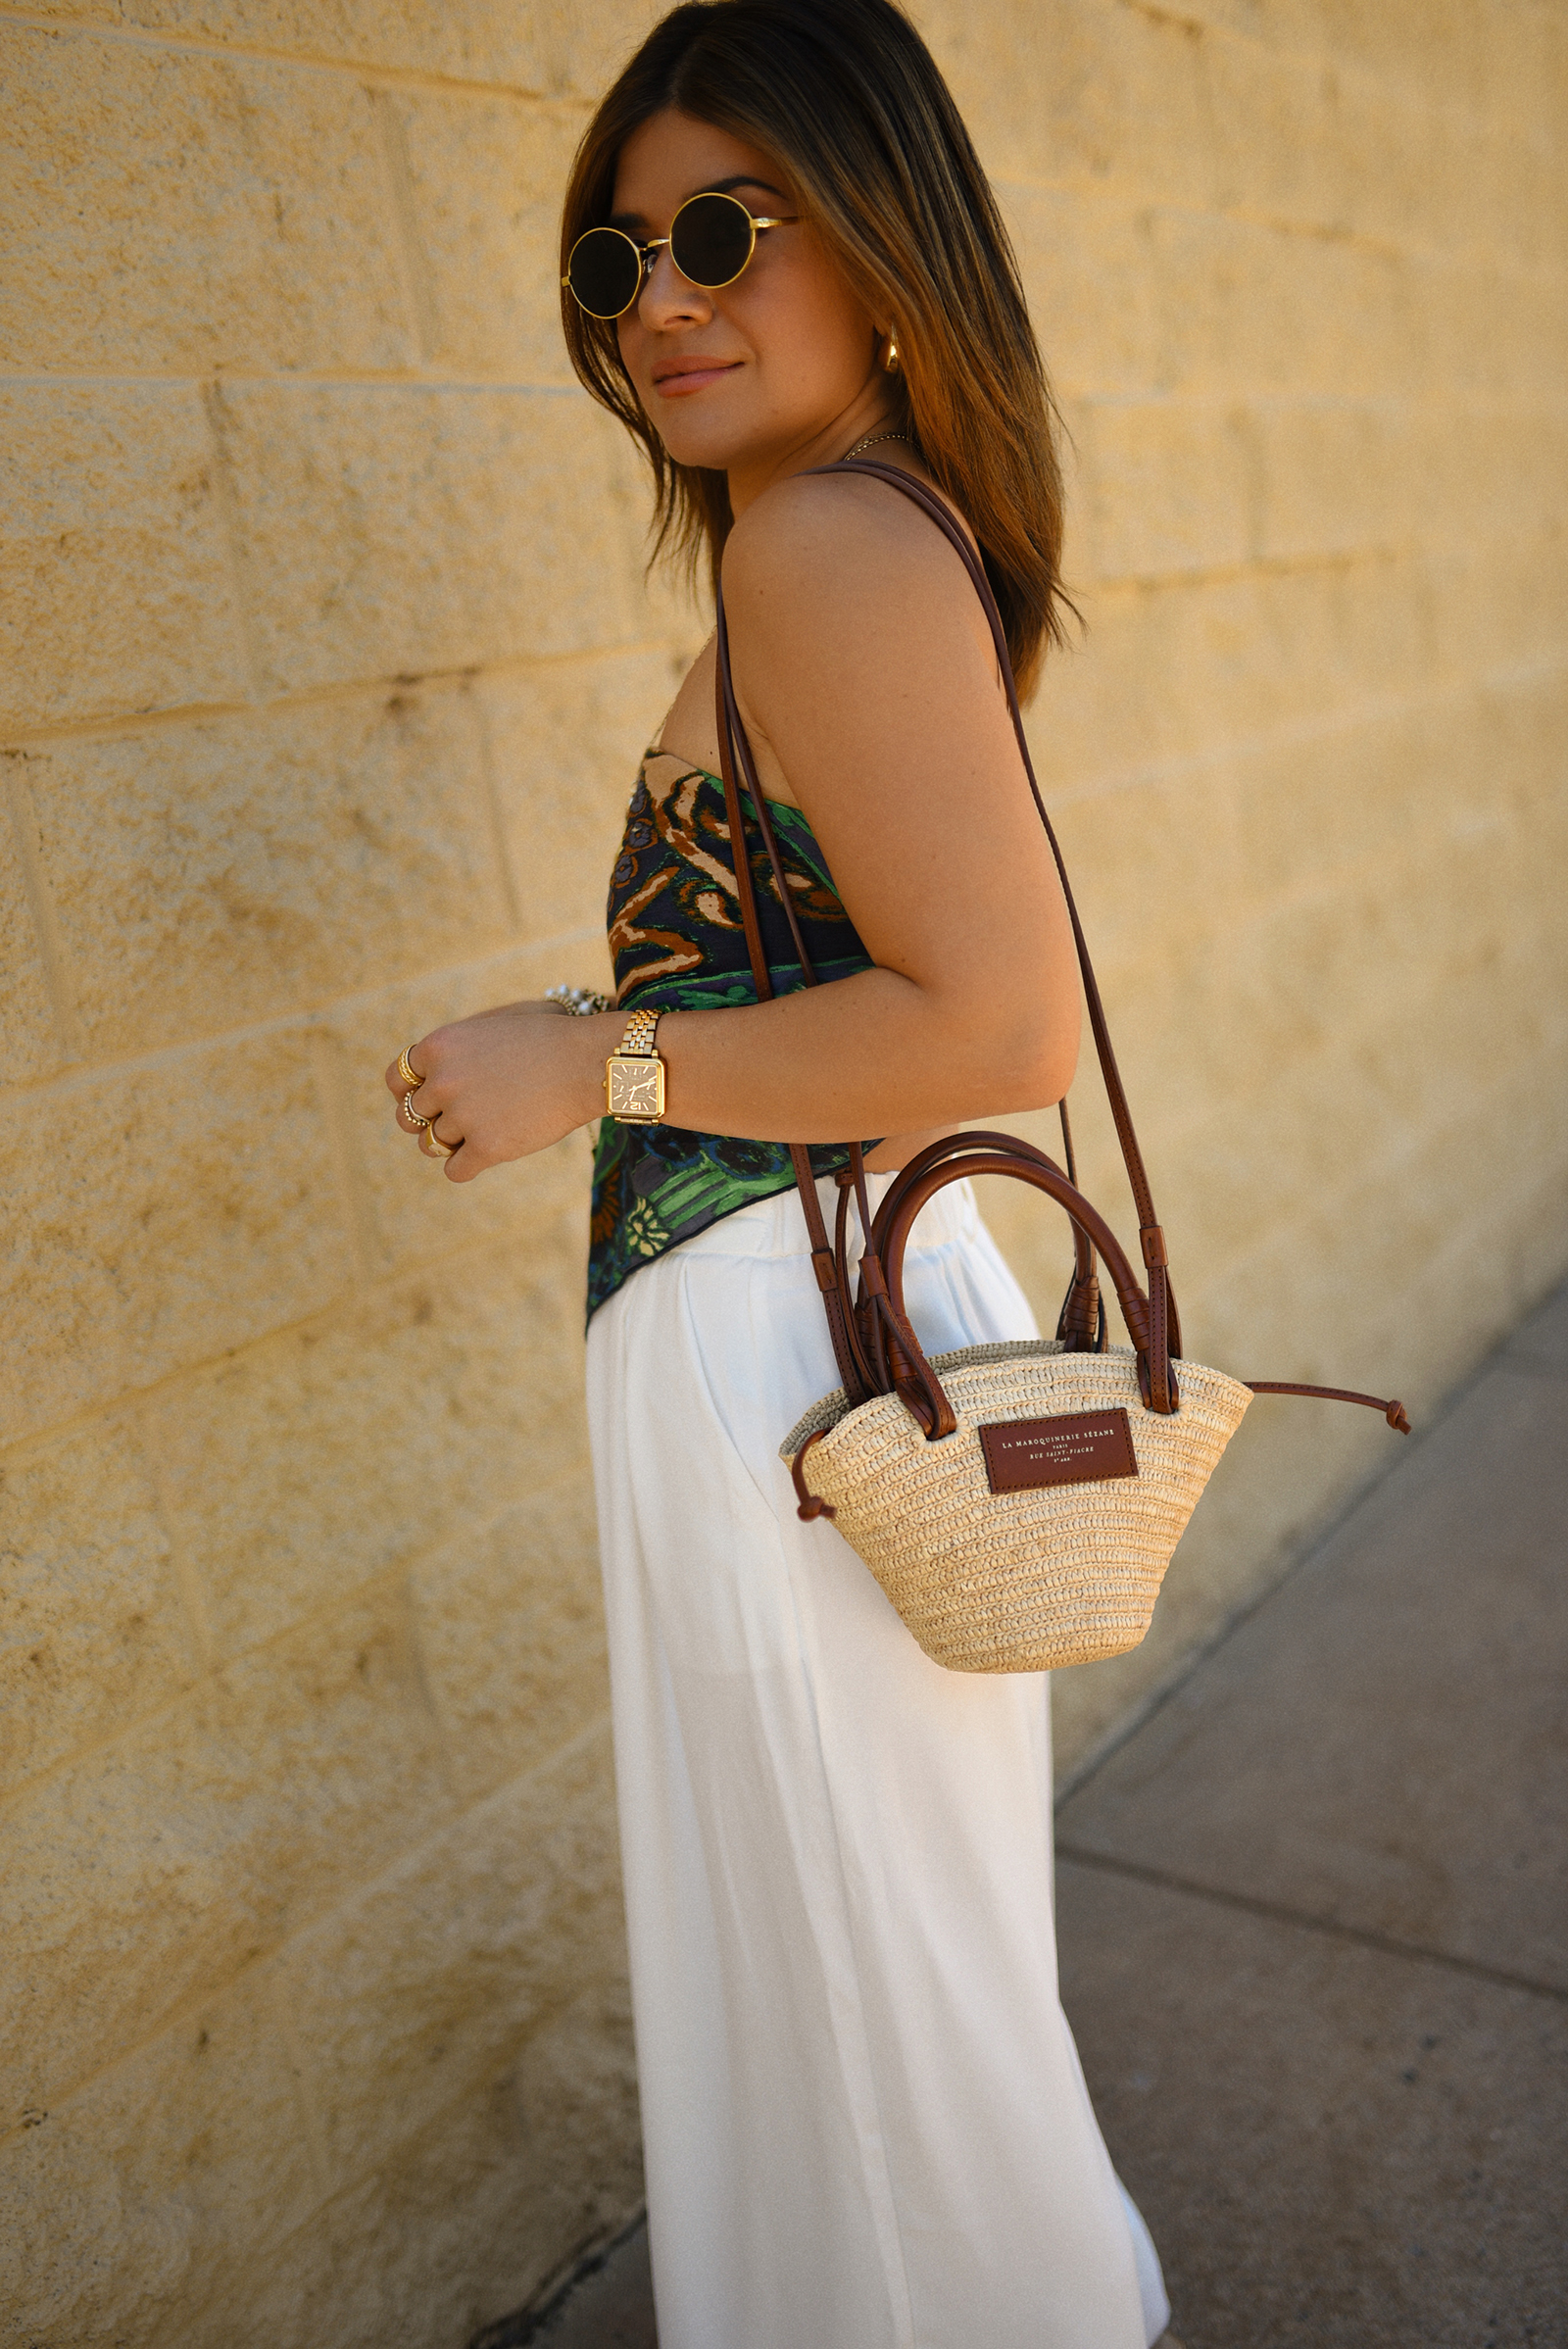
(848, 98)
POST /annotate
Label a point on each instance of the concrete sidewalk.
(1313, 1916)
(1314, 1923)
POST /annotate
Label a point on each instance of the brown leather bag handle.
(954, 1159)
(961, 1156)
(958, 1156)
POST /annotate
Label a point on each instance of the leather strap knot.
(811, 1505)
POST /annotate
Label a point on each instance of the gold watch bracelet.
(634, 1074)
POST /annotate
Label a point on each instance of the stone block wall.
(326, 659)
(1298, 269)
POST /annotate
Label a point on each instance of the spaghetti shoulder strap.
(733, 743)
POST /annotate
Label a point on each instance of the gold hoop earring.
(891, 363)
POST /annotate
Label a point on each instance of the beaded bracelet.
(579, 1002)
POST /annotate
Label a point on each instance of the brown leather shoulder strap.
(1163, 1304)
(745, 893)
(947, 521)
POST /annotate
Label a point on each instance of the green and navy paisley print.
(676, 943)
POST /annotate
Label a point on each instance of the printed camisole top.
(677, 945)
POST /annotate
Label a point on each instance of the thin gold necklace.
(871, 441)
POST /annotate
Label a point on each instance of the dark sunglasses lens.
(604, 273)
(711, 239)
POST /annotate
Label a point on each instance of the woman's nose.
(668, 299)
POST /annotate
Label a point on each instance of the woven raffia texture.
(1019, 1581)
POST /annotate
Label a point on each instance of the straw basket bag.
(1020, 1504)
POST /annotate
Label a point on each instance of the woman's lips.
(680, 380)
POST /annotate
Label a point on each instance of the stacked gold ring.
(429, 1140)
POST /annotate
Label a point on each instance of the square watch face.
(636, 1089)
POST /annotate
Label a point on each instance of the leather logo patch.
(1081, 1447)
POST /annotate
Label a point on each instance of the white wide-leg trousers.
(865, 2122)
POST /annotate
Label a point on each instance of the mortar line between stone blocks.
(390, 1283)
(419, 281)
(233, 536)
(1334, 1196)
(509, 882)
(357, 69)
(1305, 62)
(1382, 1174)
(69, 1032)
(1256, 915)
(365, 1239)
(192, 2003)
(392, 1581)
(483, 1529)
(1128, 197)
(1338, 720)
(305, 2096)
(22, 1789)
(184, 2010)
(369, 73)
(1316, 726)
(1301, 1920)
(321, 378)
(460, 2104)
(128, 725)
(118, 729)
(80, 1077)
(1311, 64)
(440, 1726)
(1369, 552)
(1261, 398)
(389, 1578)
(188, 1581)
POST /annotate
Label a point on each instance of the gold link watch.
(634, 1074)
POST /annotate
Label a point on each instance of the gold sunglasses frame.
(645, 253)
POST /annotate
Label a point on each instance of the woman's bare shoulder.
(822, 540)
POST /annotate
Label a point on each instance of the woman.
(864, 2118)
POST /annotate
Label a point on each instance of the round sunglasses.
(711, 240)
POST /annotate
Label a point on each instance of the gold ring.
(438, 1149)
(412, 1114)
(411, 1076)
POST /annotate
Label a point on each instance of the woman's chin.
(709, 451)
(755, 453)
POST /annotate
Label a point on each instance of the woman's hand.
(506, 1083)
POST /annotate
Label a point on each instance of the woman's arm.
(866, 678)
